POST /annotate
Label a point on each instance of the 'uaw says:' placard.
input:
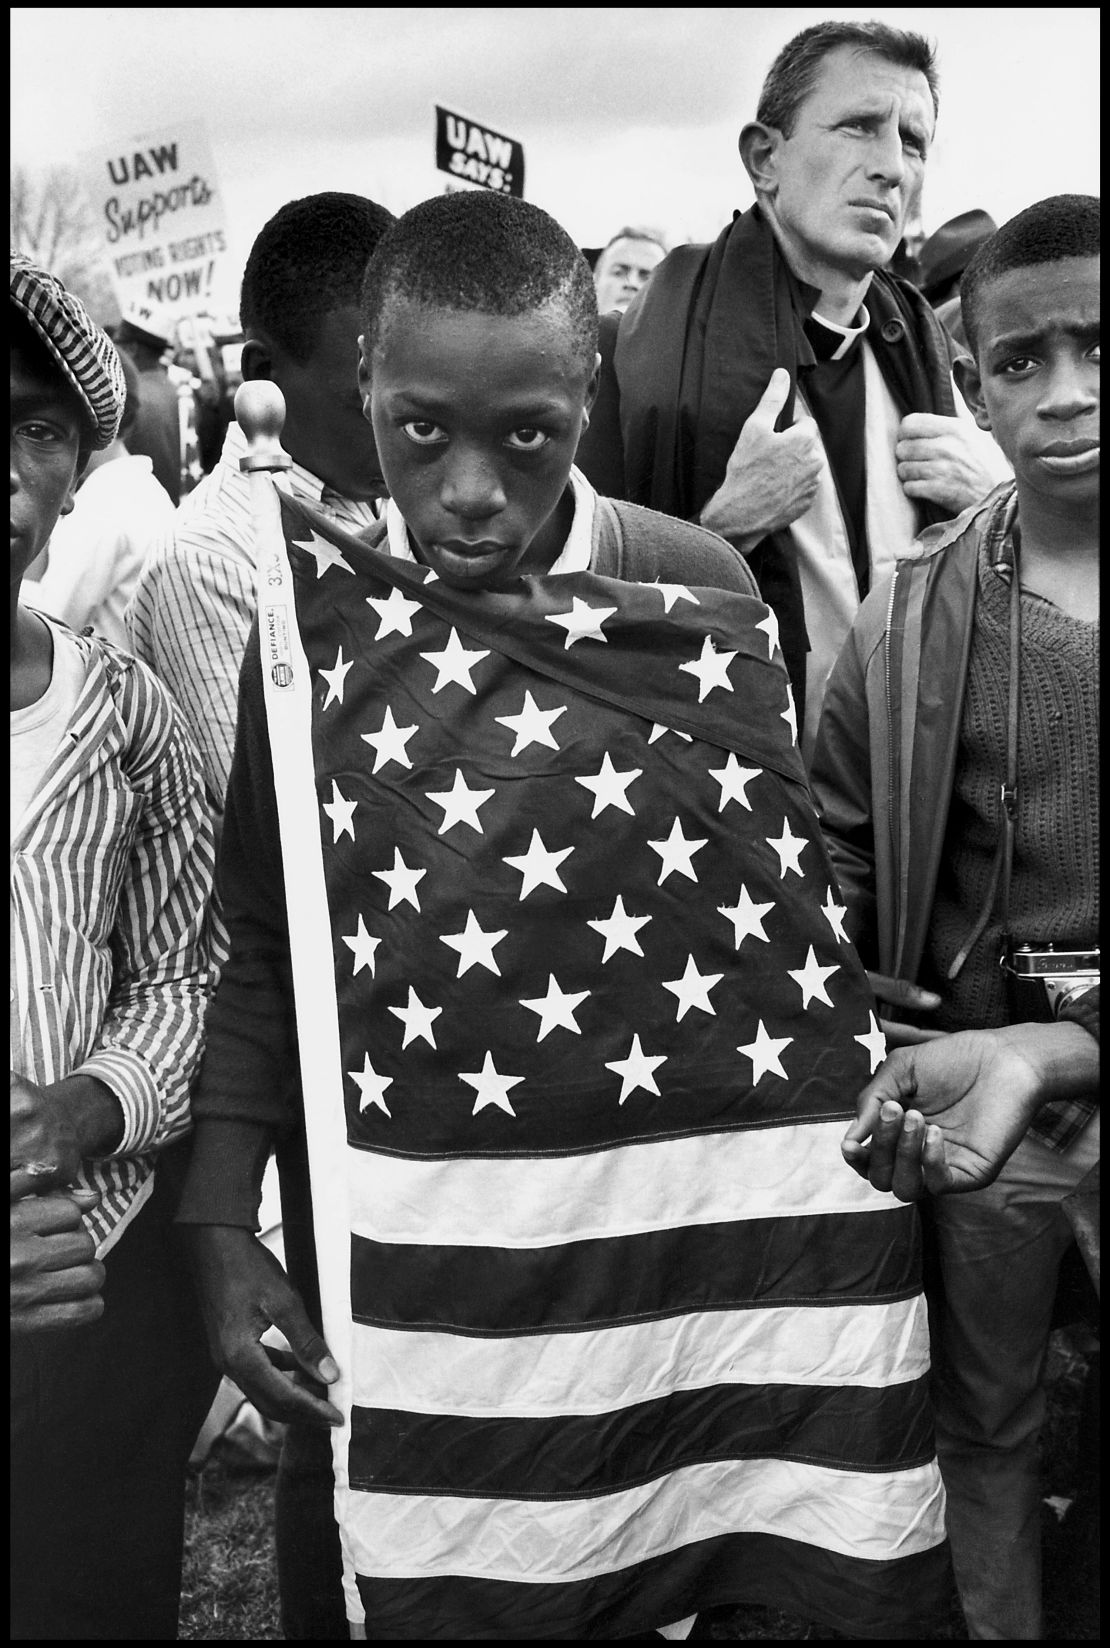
(476, 156)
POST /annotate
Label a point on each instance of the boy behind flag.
(612, 1338)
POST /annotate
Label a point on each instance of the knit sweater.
(1054, 894)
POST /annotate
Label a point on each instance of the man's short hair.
(1063, 226)
(477, 251)
(630, 233)
(306, 262)
(793, 74)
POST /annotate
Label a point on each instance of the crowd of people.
(739, 603)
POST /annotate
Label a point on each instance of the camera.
(1041, 978)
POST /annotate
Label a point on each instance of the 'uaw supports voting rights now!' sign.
(476, 157)
(161, 212)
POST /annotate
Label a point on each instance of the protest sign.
(161, 212)
(475, 156)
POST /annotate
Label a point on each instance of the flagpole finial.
(260, 414)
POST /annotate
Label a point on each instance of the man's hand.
(946, 1115)
(54, 1127)
(243, 1292)
(56, 1279)
(771, 477)
(938, 460)
(901, 993)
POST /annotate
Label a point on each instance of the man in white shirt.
(192, 609)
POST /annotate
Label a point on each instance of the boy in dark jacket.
(956, 775)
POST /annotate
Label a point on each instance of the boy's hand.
(938, 461)
(946, 1115)
(771, 476)
(243, 1292)
(56, 1279)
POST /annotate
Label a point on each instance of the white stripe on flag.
(544, 1201)
(548, 1374)
(877, 1516)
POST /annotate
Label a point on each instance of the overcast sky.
(625, 114)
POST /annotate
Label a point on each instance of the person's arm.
(945, 1116)
(130, 1093)
(246, 1094)
(950, 462)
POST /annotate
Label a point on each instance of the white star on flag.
(610, 786)
(811, 980)
(539, 866)
(489, 1086)
(711, 669)
(658, 729)
(417, 1019)
(676, 853)
(637, 1070)
(789, 848)
(363, 946)
(770, 625)
(556, 1009)
(734, 780)
(454, 663)
(874, 1041)
(582, 623)
(389, 742)
(474, 946)
(460, 804)
(619, 930)
(532, 725)
(396, 613)
(834, 914)
(673, 592)
(401, 881)
(341, 812)
(371, 1086)
(764, 1053)
(746, 917)
(692, 990)
(335, 678)
(790, 716)
(326, 555)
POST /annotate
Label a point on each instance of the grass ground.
(230, 1585)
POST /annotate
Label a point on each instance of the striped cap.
(85, 353)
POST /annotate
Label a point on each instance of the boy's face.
(47, 425)
(1035, 383)
(477, 418)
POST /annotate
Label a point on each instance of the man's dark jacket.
(686, 366)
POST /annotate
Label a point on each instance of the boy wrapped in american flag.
(533, 934)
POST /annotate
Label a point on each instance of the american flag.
(626, 1338)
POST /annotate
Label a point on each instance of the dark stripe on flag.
(903, 1598)
(818, 1259)
(572, 1456)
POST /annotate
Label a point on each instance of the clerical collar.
(830, 340)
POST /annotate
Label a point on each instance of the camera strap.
(1002, 867)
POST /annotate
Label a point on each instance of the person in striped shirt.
(111, 877)
(191, 611)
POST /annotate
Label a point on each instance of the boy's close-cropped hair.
(485, 253)
(1063, 226)
(74, 343)
(306, 262)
